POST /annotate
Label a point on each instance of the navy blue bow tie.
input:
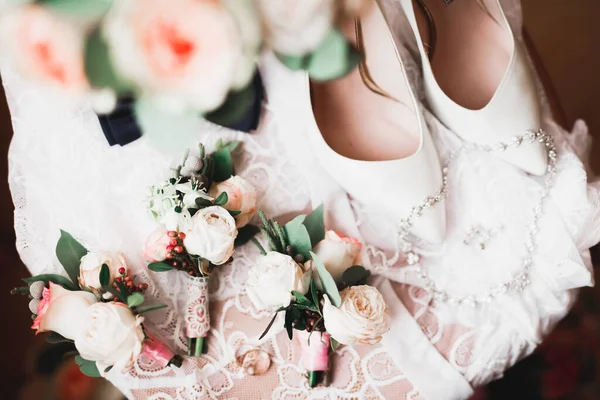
(121, 127)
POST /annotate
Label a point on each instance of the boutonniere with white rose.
(180, 60)
(98, 309)
(314, 278)
(204, 211)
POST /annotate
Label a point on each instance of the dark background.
(566, 37)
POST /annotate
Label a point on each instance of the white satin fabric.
(63, 175)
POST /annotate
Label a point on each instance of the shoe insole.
(358, 123)
(471, 50)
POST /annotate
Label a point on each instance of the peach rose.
(60, 311)
(361, 318)
(180, 53)
(338, 253)
(156, 245)
(91, 265)
(241, 196)
(40, 46)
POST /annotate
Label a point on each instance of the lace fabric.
(64, 175)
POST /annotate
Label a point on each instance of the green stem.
(315, 377)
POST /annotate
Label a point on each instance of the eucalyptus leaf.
(79, 8)
(298, 237)
(144, 309)
(327, 281)
(135, 299)
(315, 225)
(355, 275)
(295, 63)
(69, 252)
(231, 145)
(234, 213)
(203, 203)
(99, 69)
(159, 267)
(237, 105)
(246, 233)
(314, 294)
(104, 275)
(334, 58)
(334, 344)
(54, 278)
(122, 292)
(221, 199)
(302, 299)
(87, 367)
(289, 323)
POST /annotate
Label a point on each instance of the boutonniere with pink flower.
(98, 307)
(314, 278)
(204, 211)
(180, 60)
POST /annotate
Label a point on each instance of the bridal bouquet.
(98, 308)
(179, 59)
(204, 210)
(311, 276)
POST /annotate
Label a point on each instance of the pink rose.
(338, 253)
(181, 53)
(156, 245)
(241, 196)
(60, 310)
(40, 46)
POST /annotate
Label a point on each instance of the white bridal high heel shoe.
(368, 133)
(477, 78)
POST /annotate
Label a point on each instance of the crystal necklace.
(520, 279)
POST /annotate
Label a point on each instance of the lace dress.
(64, 175)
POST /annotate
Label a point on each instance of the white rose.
(241, 196)
(338, 253)
(361, 318)
(91, 264)
(60, 310)
(296, 27)
(271, 281)
(180, 53)
(211, 235)
(111, 336)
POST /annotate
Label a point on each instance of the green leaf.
(223, 165)
(234, 213)
(80, 8)
(269, 325)
(246, 233)
(98, 66)
(144, 309)
(355, 275)
(231, 146)
(54, 338)
(203, 203)
(159, 267)
(236, 106)
(54, 278)
(135, 299)
(315, 225)
(297, 236)
(334, 58)
(104, 275)
(87, 367)
(334, 344)
(122, 292)
(295, 63)
(314, 294)
(221, 199)
(292, 315)
(327, 281)
(171, 132)
(69, 252)
(302, 299)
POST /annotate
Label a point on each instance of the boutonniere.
(314, 279)
(99, 308)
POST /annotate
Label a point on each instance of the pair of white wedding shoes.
(368, 130)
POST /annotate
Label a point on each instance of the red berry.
(175, 264)
(122, 270)
(173, 242)
(172, 234)
(118, 279)
(129, 284)
(127, 279)
(170, 248)
(181, 235)
(144, 286)
(178, 249)
(169, 256)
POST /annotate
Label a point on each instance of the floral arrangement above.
(311, 276)
(204, 211)
(179, 59)
(98, 308)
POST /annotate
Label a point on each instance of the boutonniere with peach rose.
(313, 277)
(180, 60)
(204, 211)
(98, 308)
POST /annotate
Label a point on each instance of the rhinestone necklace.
(520, 280)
